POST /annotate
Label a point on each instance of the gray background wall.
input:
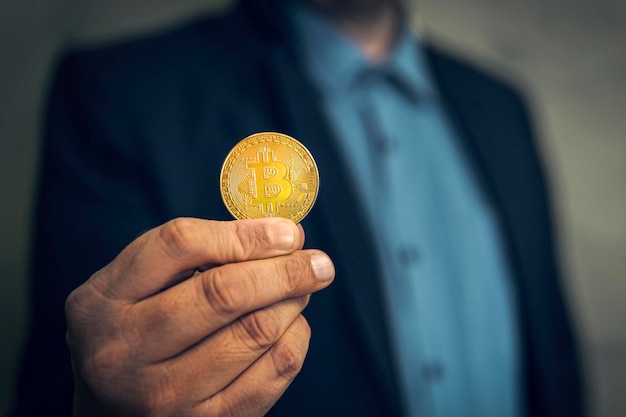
(567, 54)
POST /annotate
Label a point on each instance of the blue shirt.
(446, 281)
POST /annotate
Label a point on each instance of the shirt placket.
(398, 250)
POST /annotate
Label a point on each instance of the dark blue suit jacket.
(136, 134)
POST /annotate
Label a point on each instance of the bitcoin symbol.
(271, 184)
(257, 181)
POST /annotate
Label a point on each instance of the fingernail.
(282, 235)
(323, 267)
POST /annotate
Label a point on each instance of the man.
(432, 207)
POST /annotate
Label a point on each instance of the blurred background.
(567, 55)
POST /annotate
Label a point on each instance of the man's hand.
(195, 318)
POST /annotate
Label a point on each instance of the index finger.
(173, 251)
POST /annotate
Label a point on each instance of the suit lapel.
(471, 110)
(498, 143)
(495, 134)
(339, 218)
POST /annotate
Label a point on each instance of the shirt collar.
(335, 62)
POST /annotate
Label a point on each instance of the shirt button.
(432, 372)
(408, 255)
(382, 145)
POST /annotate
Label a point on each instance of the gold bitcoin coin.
(269, 175)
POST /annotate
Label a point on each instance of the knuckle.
(163, 395)
(179, 236)
(90, 296)
(247, 239)
(216, 406)
(104, 363)
(293, 270)
(287, 359)
(76, 311)
(72, 303)
(217, 292)
(261, 330)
